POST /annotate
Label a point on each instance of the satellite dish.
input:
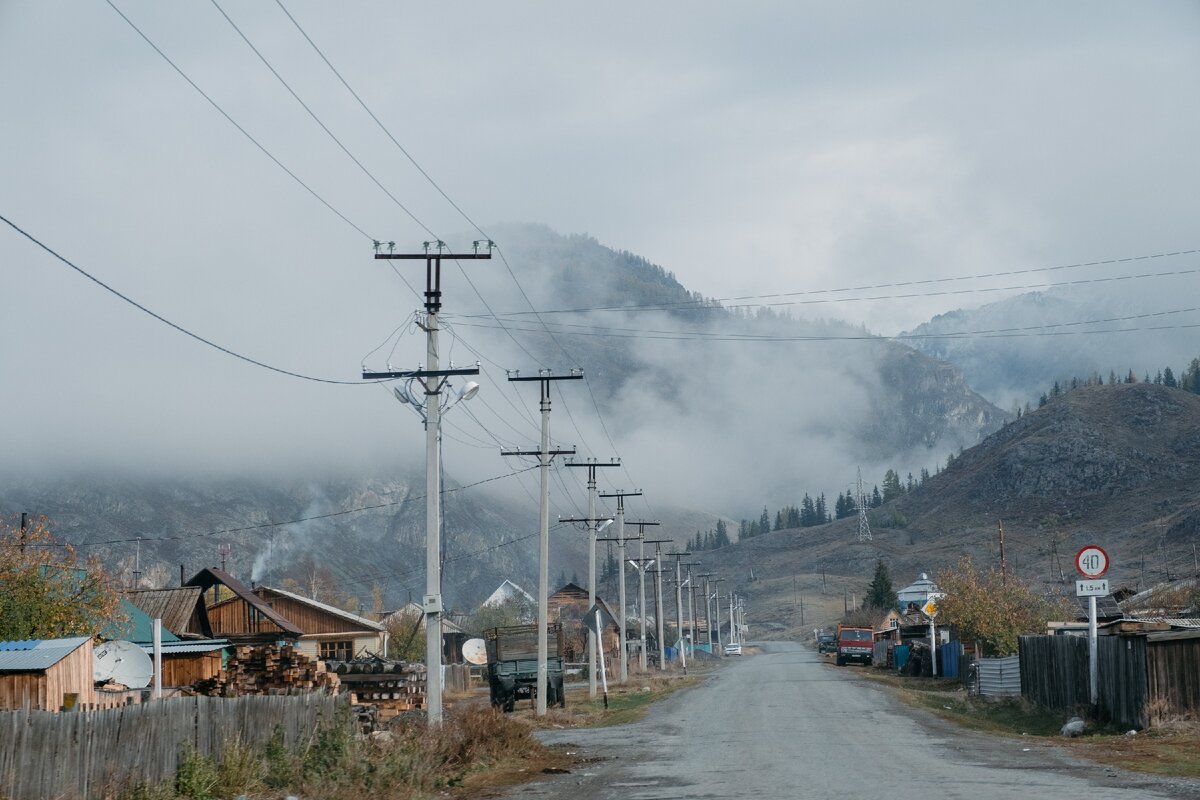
(122, 662)
(475, 651)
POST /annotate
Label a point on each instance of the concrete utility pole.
(545, 456)
(658, 601)
(620, 497)
(593, 646)
(642, 564)
(433, 379)
(707, 609)
(691, 606)
(717, 607)
(679, 608)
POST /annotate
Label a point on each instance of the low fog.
(754, 152)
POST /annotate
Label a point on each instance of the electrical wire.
(235, 124)
(168, 322)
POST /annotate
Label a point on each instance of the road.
(782, 724)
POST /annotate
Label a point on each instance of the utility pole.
(658, 601)
(223, 553)
(1003, 563)
(433, 380)
(716, 604)
(545, 456)
(691, 584)
(593, 646)
(679, 608)
(707, 609)
(620, 497)
(641, 568)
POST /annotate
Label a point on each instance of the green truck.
(513, 666)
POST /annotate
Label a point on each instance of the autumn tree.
(991, 609)
(45, 592)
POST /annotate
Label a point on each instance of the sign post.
(930, 610)
(1092, 563)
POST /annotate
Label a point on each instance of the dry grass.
(1170, 748)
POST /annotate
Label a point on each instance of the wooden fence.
(1054, 675)
(90, 753)
(1173, 674)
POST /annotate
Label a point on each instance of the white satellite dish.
(122, 662)
(475, 651)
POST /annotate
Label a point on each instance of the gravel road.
(782, 724)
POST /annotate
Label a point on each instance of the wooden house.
(568, 606)
(409, 619)
(243, 618)
(325, 631)
(46, 674)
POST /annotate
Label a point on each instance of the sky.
(751, 149)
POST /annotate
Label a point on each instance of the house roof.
(211, 576)
(174, 606)
(35, 655)
(1106, 608)
(921, 586)
(328, 609)
(138, 626)
(413, 611)
(571, 590)
(506, 591)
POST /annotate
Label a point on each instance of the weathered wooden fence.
(1173, 674)
(1054, 675)
(88, 753)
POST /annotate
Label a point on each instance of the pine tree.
(1168, 377)
(880, 593)
(1190, 381)
(808, 512)
(876, 498)
(793, 517)
(891, 486)
(764, 521)
(721, 539)
(779, 520)
(822, 514)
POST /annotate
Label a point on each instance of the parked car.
(826, 643)
(733, 649)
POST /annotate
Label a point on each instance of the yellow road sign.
(930, 608)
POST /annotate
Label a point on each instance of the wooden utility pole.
(1003, 564)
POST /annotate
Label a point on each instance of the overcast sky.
(750, 148)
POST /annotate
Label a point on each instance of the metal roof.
(138, 626)
(38, 655)
(189, 646)
(20, 644)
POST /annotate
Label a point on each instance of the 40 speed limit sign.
(1091, 561)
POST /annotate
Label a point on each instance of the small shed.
(46, 674)
(568, 606)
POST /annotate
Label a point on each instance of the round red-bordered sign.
(1091, 561)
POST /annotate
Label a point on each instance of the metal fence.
(999, 677)
(95, 753)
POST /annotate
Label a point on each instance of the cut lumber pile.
(393, 687)
(266, 669)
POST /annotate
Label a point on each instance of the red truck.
(854, 644)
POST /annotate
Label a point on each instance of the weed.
(196, 777)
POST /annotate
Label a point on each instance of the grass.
(1169, 750)
(473, 748)
(626, 704)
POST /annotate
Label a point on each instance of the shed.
(46, 674)
(181, 610)
(568, 605)
(184, 661)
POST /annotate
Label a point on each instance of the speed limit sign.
(1091, 561)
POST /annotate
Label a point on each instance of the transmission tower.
(864, 527)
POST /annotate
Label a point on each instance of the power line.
(166, 321)
(710, 304)
(994, 333)
(235, 124)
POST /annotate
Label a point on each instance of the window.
(340, 651)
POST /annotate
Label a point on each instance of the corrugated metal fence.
(1000, 677)
(90, 753)
(1054, 675)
